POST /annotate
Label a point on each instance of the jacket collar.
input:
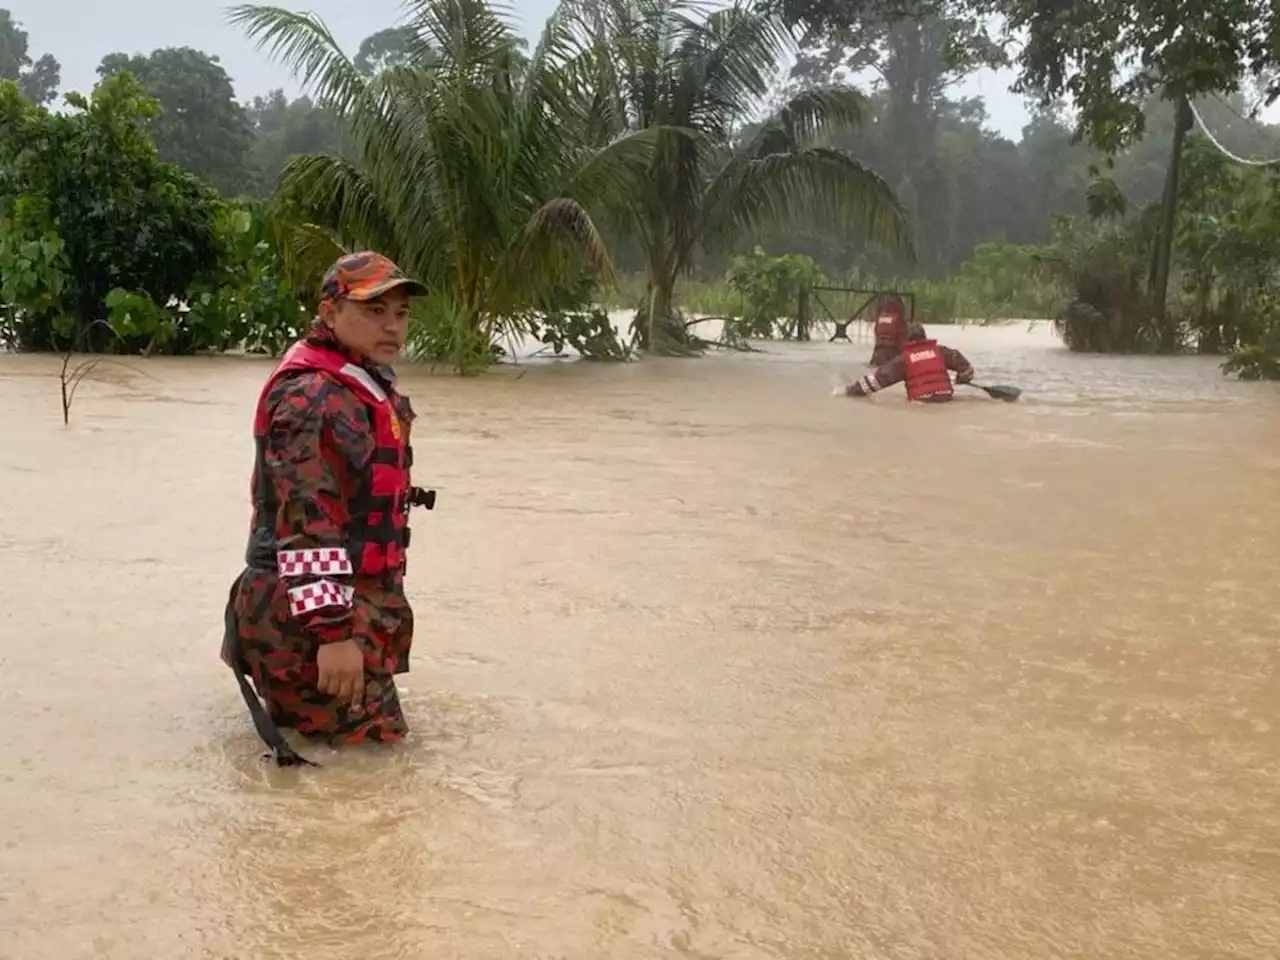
(321, 336)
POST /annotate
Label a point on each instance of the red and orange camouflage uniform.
(319, 439)
(895, 369)
(890, 332)
(318, 445)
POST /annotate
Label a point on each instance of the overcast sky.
(80, 32)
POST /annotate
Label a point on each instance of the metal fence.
(835, 309)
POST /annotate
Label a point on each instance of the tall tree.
(475, 177)
(284, 129)
(1109, 56)
(697, 80)
(38, 80)
(201, 127)
(915, 52)
(387, 48)
(90, 180)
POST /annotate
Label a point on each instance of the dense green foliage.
(1112, 58)
(89, 184)
(1088, 49)
(37, 79)
(1227, 245)
(475, 169)
(93, 225)
(770, 288)
(199, 125)
(644, 154)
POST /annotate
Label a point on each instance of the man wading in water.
(319, 619)
(890, 330)
(923, 364)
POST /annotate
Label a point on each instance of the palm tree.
(475, 170)
(697, 79)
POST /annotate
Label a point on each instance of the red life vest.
(890, 330)
(377, 531)
(926, 370)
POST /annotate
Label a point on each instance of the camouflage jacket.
(895, 371)
(318, 443)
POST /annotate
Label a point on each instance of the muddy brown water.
(710, 664)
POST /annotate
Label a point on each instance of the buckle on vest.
(420, 497)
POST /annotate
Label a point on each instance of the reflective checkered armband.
(317, 567)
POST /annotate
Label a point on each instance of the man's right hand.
(342, 671)
(965, 376)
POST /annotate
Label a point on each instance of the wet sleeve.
(318, 436)
(957, 362)
(885, 375)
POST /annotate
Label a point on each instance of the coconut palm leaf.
(327, 189)
(616, 169)
(467, 36)
(305, 44)
(779, 177)
(816, 186)
(729, 65)
(307, 251)
(813, 115)
(565, 221)
(478, 167)
(700, 77)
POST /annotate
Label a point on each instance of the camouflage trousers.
(280, 658)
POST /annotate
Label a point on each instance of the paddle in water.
(999, 391)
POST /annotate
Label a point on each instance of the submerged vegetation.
(649, 156)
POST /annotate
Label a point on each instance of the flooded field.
(710, 664)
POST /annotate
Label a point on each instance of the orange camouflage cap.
(365, 275)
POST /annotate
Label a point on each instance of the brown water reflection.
(711, 664)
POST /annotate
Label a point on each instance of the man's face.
(374, 329)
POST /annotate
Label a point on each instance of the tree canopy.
(90, 186)
(1110, 56)
(37, 79)
(200, 126)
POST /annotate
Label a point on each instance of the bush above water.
(94, 227)
(1000, 282)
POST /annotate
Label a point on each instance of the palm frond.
(816, 113)
(620, 168)
(303, 43)
(467, 35)
(328, 190)
(307, 252)
(731, 62)
(560, 63)
(818, 187)
(562, 224)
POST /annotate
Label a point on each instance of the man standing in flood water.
(923, 364)
(319, 619)
(890, 330)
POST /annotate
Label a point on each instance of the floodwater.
(710, 664)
